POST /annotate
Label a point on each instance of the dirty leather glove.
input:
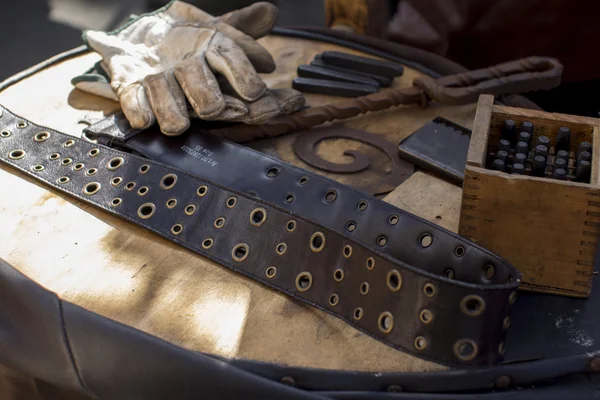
(178, 52)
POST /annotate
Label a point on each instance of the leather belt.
(415, 287)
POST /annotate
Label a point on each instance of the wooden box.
(547, 228)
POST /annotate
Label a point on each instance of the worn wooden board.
(120, 271)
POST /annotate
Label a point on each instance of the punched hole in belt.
(270, 272)
(115, 163)
(304, 281)
(168, 181)
(290, 198)
(351, 226)
(425, 240)
(489, 271)
(472, 305)
(465, 349)
(317, 242)
(334, 299)
(219, 222)
(385, 322)
(240, 252)
(303, 180)
(290, 226)
(281, 249)
(171, 203)
(92, 171)
(258, 216)
(41, 136)
(338, 275)
(394, 280)
(78, 167)
(330, 196)
(69, 143)
(273, 172)
(146, 210)
(5, 133)
(91, 188)
(16, 154)
(66, 161)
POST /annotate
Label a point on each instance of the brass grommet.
(171, 203)
(394, 280)
(219, 222)
(190, 209)
(41, 136)
(270, 272)
(465, 349)
(202, 190)
(115, 163)
(334, 299)
(168, 181)
(351, 226)
(304, 281)
(429, 289)
(16, 154)
(364, 288)
(143, 191)
(426, 240)
(420, 343)
(240, 252)
(37, 168)
(146, 210)
(330, 196)
(506, 323)
(21, 124)
(426, 316)
(338, 275)
(290, 198)
(116, 201)
(63, 179)
(317, 242)
(66, 161)
(501, 348)
(512, 298)
(94, 152)
(54, 156)
(303, 180)
(281, 248)
(207, 243)
(231, 202)
(347, 251)
(382, 240)
(362, 205)
(78, 166)
(290, 226)
(91, 188)
(5, 133)
(488, 271)
(258, 216)
(129, 186)
(116, 181)
(91, 172)
(144, 168)
(393, 219)
(358, 313)
(385, 322)
(176, 229)
(472, 305)
(370, 263)
(69, 143)
(273, 172)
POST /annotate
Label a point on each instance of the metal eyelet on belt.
(176, 229)
(358, 314)
(78, 167)
(37, 168)
(91, 172)
(394, 280)
(94, 152)
(171, 203)
(144, 168)
(69, 143)
(370, 263)
(202, 190)
(231, 202)
(270, 272)
(115, 163)
(116, 201)
(146, 210)
(258, 216)
(91, 188)
(472, 305)
(347, 251)
(66, 161)
(16, 154)
(465, 349)
(420, 343)
(21, 124)
(207, 243)
(429, 289)
(116, 181)
(168, 181)
(41, 136)
(364, 288)
(338, 275)
(334, 299)
(54, 156)
(317, 242)
(143, 191)
(290, 226)
(63, 179)
(304, 281)
(219, 222)
(385, 322)
(240, 252)
(426, 316)
(5, 133)
(281, 248)
(190, 209)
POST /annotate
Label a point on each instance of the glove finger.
(258, 55)
(226, 57)
(168, 103)
(200, 87)
(95, 84)
(136, 106)
(256, 20)
(289, 100)
(106, 45)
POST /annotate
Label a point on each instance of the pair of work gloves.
(160, 64)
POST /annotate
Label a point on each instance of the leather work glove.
(179, 52)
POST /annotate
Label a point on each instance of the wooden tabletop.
(128, 274)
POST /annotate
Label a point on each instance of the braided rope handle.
(525, 75)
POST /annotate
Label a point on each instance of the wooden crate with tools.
(546, 225)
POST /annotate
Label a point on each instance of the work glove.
(157, 61)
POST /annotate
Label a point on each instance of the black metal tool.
(383, 81)
(538, 166)
(584, 146)
(502, 155)
(525, 137)
(541, 150)
(544, 141)
(520, 158)
(311, 71)
(504, 145)
(563, 155)
(518, 169)
(509, 131)
(563, 138)
(583, 170)
(584, 155)
(332, 88)
(440, 146)
(499, 165)
(527, 126)
(363, 64)
(522, 147)
(561, 163)
(560, 174)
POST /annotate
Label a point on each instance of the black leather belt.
(395, 277)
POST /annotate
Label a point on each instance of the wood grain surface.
(125, 273)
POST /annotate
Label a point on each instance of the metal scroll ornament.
(307, 141)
